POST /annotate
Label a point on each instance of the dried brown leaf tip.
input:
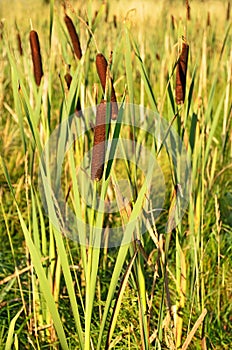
(74, 36)
(98, 155)
(181, 72)
(36, 56)
(101, 64)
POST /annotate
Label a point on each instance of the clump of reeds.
(68, 80)
(188, 15)
(74, 36)
(181, 72)
(98, 155)
(228, 11)
(36, 56)
(102, 66)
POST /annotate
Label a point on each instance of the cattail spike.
(98, 155)
(36, 56)
(74, 37)
(68, 79)
(101, 64)
(181, 72)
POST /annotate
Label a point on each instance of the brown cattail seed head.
(36, 56)
(98, 155)
(68, 79)
(101, 64)
(74, 37)
(181, 72)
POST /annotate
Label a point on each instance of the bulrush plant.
(181, 72)
(36, 57)
(98, 155)
(74, 36)
(102, 67)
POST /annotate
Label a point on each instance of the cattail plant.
(74, 36)
(98, 155)
(36, 56)
(181, 71)
(68, 80)
(102, 65)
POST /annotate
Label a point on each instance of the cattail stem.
(102, 65)
(74, 36)
(181, 72)
(36, 56)
(98, 155)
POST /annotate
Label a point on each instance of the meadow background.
(170, 290)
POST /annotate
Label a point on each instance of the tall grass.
(64, 281)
